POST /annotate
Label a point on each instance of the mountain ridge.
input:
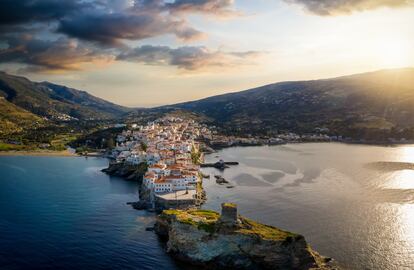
(353, 105)
(369, 105)
(283, 82)
(56, 102)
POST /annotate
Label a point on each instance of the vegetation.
(227, 204)
(373, 106)
(48, 116)
(143, 146)
(202, 219)
(14, 119)
(251, 227)
(56, 102)
(207, 220)
(12, 147)
(195, 155)
(97, 136)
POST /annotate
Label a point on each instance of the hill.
(14, 119)
(369, 105)
(56, 102)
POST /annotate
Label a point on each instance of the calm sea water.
(363, 218)
(63, 213)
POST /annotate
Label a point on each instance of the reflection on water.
(400, 180)
(63, 213)
(407, 154)
(361, 216)
(246, 179)
(273, 177)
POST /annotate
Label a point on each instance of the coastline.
(67, 153)
(40, 153)
(367, 143)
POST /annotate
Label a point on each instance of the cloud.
(109, 22)
(111, 28)
(339, 7)
(191, 58)
(61, 35)
(211, 7)
(22, 11)
(137, 20)
(50, 55)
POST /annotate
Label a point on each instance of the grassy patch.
(10, 147)
(202, 219)
(264, 231)
(206, 220)
(232, 205)
(61, 140)
(207, 214)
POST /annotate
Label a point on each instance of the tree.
(110, 144)
(143, 146)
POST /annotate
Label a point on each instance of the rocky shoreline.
(127, 171)
(229, 241)
(136, 173)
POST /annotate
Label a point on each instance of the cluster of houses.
(168, 147)
(227, 141)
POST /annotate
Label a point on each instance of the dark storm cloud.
(49, 55)
(114, 27)
(63, 35)
(337, 7)
(188, 57)
(136, 20)
(110, 21)
(22, 11)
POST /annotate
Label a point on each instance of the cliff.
(211, 240)
(127, 171)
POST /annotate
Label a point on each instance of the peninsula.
(230, 241)
(164, 158)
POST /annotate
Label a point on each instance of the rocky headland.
(127, 171)
(229, 241)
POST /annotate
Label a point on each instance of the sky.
(147, 53)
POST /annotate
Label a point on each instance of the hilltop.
(374, 106)
(56, 102)
(371, 105)
(47, 115)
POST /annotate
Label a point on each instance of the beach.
(65, 153)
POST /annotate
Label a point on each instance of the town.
(172, 156)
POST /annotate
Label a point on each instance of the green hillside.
(14, 119)
(56, 102)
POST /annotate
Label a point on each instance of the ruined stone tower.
(229, 213)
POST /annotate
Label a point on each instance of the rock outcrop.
(127, 171)
(230, 241)
(221, 165)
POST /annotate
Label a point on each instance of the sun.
(393, 53)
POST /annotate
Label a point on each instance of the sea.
(64, 213)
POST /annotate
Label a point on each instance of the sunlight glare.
(407, 154)
(393, 53)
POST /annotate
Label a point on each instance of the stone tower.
(229, 213)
